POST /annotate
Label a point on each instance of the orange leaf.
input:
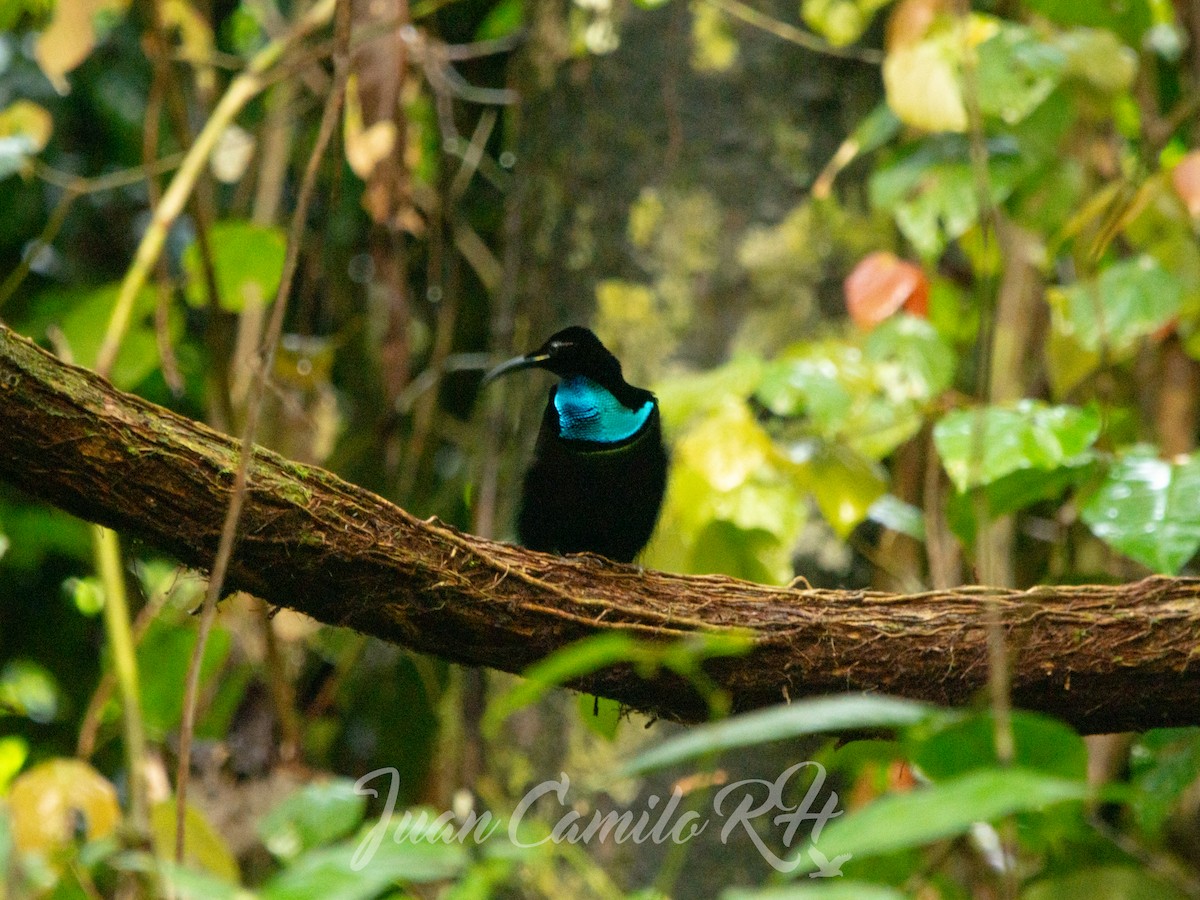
(881, 284)
(1186, 179)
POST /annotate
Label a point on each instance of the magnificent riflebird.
(599, 469)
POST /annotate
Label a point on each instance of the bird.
(599, 469)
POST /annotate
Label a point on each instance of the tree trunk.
(1102, 658)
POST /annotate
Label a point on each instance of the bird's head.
(572, 351)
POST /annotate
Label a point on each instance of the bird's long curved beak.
(519, 362)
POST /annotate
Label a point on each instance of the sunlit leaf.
(503, 19)
(939, 811)
(601, 715)
(840, 22)
(1147, 508)
(318, 813)
(1016, 71)
(203, 848)
(70, 37)
(24, 130)
(845, 486)
(81, 316)
(249, 263)
(923, 84)
(1099, 57)
(14, 750)
(811, 716)
(980, 446)
(1128, 301)
(50, 801)
(714, 47)
(166, 650)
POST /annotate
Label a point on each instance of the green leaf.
(1147, 508)
(318, 813)
(980, 446)
(601, 715)
(845, 486)
(1016, 72)
(503, 19)
(204, 848)
(840, 22)
(868, 393)
(939, 811)
(1128, 18)
(1113, 882)
(932, 192)
(1128, 301)
(82, 315)
(166, 651)
(248, 259)
(14, 750)
(840, 889)
(813, 716)
(28, 689)
(347, 871)
(947, 749)
(1165, 763)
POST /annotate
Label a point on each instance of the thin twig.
(791, 33)
(253, 409)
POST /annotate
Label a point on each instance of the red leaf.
(881, 284)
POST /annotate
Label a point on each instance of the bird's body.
(599, 470)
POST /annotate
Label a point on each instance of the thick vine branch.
(1103, 658)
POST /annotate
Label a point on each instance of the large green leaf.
(1128, 18)
(1165, 762)
(1016, 72)
(1111, 882)
(932, 191)
(248, 259)
(1148, 508)
(839, 889)
(980, 446)
(868, 393)
(350, 871)
(840, 22)
(82, 314)
(1128, 301)
(814, 716)
(316, 814)
(946, 749)
(940, 811)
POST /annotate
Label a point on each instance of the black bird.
(599, 469)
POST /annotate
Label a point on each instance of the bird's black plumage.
(599, 469)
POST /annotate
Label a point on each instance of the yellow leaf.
(923, 88)
(70, 37)
(53, 799)
(29, 121)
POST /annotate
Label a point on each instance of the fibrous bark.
(1103, 658)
